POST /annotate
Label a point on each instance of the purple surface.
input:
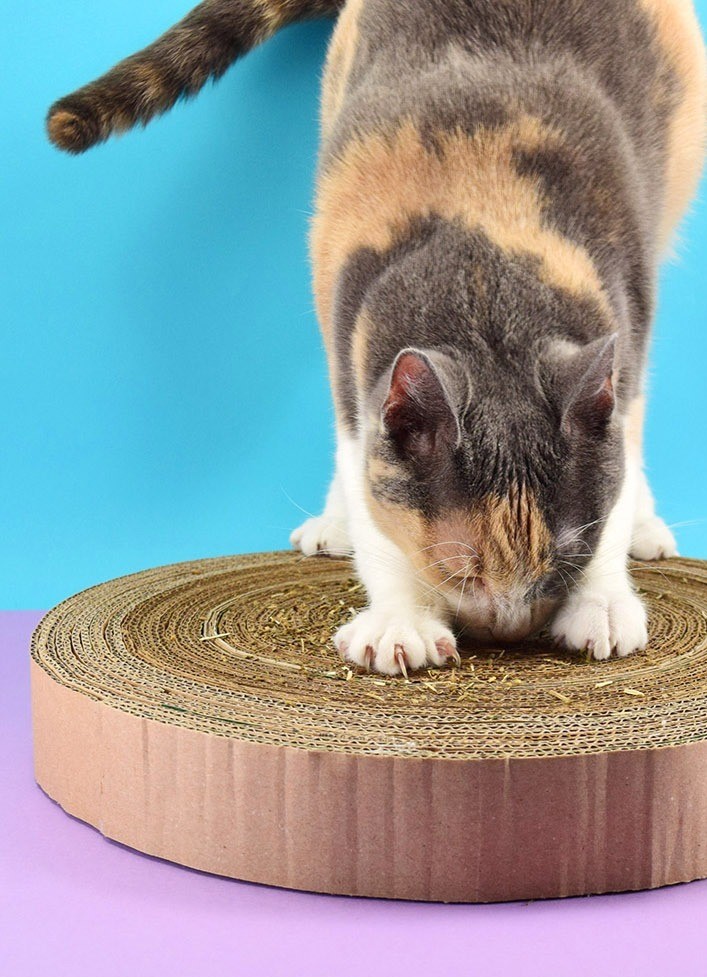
(72, 903)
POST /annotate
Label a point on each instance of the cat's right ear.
(418, 415)
(587, 379)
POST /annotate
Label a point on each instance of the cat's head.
(495, 478)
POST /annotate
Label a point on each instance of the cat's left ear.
(419, 413)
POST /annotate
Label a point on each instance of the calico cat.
(498, 181)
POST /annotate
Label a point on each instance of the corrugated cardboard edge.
(427, 829)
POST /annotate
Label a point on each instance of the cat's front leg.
(651, 538)
(328, 533)
(404, 627)
(605, 614)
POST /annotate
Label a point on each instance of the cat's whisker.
(430, 566)
(687, 522)
(449, 542)
(461, 595)
(296, 504)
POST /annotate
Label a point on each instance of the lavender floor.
(72, 903)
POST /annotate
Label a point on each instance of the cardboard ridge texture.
(198, 713)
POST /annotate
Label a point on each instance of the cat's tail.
(200, 47)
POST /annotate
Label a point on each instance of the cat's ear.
(587, 383)
(418, 413)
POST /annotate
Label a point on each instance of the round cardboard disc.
(198, 712)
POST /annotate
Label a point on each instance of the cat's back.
(616, 39)
(601, 71)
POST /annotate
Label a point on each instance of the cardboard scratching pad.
(198, 712)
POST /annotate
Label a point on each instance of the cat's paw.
(394, 644)
(652, 540)
(601, 623)
(322, 534)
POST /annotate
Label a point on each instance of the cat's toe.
(627, 624)
(323, 534)
(652, 540)
(601, 623)
(393, 645)
(582, 624)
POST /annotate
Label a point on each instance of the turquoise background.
(163, 386)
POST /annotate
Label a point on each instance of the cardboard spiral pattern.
(198, 712)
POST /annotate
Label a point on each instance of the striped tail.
(177, 65)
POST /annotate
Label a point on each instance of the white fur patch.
(328, 533)
(605, 614)
(600, 623)
(651, 539)
(322, 534)
(392, 644)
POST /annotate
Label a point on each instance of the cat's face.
(496, 485)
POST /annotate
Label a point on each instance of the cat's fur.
(498, 180)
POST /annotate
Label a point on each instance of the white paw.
(602, 623)
(322, 534)
(392, 644)
(652, 540)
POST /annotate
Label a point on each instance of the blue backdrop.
(162, 385)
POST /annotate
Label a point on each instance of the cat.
(498, 180)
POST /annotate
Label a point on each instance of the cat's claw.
(652, 540)
(395, 645)
(326, 535)
(448, 650)
(602, 623)
(400, 659)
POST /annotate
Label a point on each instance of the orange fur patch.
(65, 129)
(678, 32)
(380, 182)
(504, 539)
(340, 57)
(273, 14)
(633, 429)
(359, 344)
(404, 526)
(151, 81)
